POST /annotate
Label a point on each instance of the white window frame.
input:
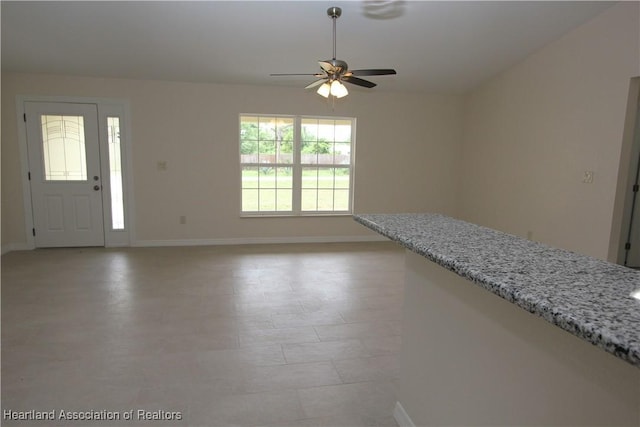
(296, 210)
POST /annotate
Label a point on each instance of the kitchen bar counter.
(588, 297)
(471, 358)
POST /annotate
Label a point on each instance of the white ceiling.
(447, 47)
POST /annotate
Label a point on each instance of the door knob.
(96, 187)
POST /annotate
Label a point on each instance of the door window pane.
(63, 148)
(115, 173)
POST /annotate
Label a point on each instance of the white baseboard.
(14, 247)
(401, 416)
(258, 240)
(232, 241)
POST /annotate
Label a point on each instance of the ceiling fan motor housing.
(339, 67)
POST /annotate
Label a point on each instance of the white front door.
(65, 178)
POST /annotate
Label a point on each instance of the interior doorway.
(624, 244)
(632, 240)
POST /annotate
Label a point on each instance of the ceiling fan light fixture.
(338, 89)
(324, 90)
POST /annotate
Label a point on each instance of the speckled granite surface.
(583, 295)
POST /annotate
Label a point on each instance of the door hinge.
(29, 175)
(627, 246)
(24, 117)
(635, 188)
(33, 231)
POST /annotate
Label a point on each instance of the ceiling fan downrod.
(334, 13)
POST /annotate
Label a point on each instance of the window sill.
(289, 215)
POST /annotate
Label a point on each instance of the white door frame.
(106, 107)
(627, 168)
(631, 216)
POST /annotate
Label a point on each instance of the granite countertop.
(587, 297)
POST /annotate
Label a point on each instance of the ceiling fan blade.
(358, 82)
(316, 83)
(373, 72)
(328, 67)
(306, 74)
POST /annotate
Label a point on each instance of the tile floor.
(264, 335)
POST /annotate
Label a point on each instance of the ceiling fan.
(334, 71)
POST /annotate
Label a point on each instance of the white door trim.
(105, 106)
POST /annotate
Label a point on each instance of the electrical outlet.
(183, 219)
(587, 177)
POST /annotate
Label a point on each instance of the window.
(296, 165)
(115, 173)
(65, 158)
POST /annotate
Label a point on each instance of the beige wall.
(510, 154)
(406, 152)
(532, 131)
